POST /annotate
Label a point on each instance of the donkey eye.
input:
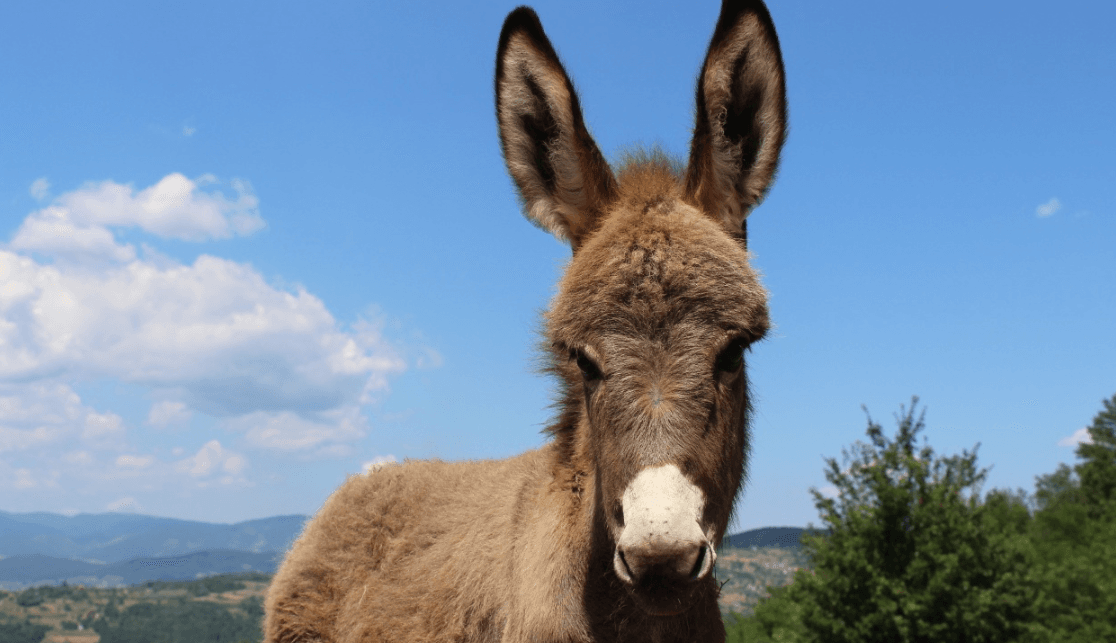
(731, 358)
(589, 370)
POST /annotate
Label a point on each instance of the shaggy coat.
(608, 532)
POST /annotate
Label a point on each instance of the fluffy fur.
(644, 337)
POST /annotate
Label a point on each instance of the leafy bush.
(178, 622)
(25, 632)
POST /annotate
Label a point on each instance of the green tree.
(1074, 535)
(1097, 469)
(178, 622)
(913, 555)
(776, 619)
(25, 632)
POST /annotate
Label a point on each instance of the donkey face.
(659, 302)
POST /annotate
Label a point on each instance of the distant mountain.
(117, 537)
(768, 537)
(114, 549)
(19, 572)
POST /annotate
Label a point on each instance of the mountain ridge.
(21, 572)
(116, 549)
(119, 537)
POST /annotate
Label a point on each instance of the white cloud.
(829, 491)
(78, 457)
(205, 461)
(377, 463)
(38, 414)
(429, 358)
(209, 338)
(101, 427)
(19, 439)
(134, 461)
(188, 131)
(215, 331)
(167, 413)
(127, 504)
(77, 225)
(1080, 436)
(23, 479)
(288, 431)
(1048, 208)
(40, 188)
(214, 462)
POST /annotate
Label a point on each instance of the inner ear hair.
(741, 116)
(562, 177)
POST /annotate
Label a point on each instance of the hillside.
(118, 537)
(21, 572)
(746, 574)
(790, 537)
(223, 609)
(228, 608)
(91, 550)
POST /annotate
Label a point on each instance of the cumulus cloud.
(40, 188)
(78, 225)
(1048, 208)
(168, 413)
(289, 431)
(134, 461)
(429, 358)
(377, 463)
(1080, 436)
(829, 491)
(215, 345)
(38, 415)
(78, 457)
(127, 504)
(216, 331)
(214, 462)
(101, 427)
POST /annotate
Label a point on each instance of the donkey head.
(659, 302)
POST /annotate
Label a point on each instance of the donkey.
(608, 532)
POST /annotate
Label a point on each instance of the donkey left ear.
(741, 116)
(563, 178)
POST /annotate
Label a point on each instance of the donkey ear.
(741, 116)
(563, 179)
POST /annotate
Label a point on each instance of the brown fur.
(644, 337)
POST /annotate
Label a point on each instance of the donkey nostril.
(620, 564)
(699, 564)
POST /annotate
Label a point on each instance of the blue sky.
(247, 248)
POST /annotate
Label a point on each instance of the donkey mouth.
(664, 582)
(662, 596)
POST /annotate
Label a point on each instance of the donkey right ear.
(563, 178)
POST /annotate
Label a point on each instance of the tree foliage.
(777, 619)
(913, 554)
(1097, 469)
(1074, 535)
(916, 555)
(22, 632)
(179, 622)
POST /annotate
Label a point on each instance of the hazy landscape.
(111, 578)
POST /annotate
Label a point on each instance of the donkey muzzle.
(662, 551)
